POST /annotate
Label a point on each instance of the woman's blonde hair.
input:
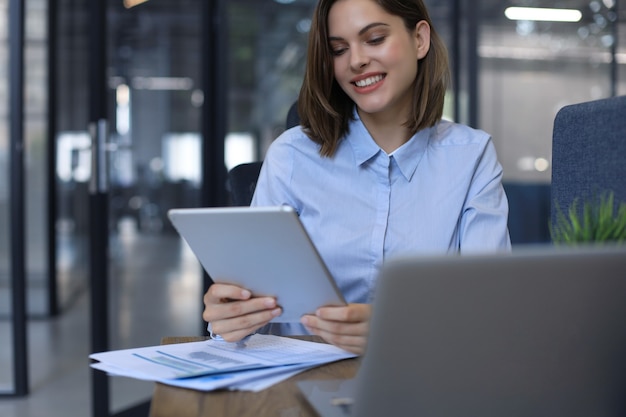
(326, 110)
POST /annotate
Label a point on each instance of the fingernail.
(246, 294)
(276, 312)
(304, 320)
(270, 302)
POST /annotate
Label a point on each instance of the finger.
(236, 336)
(233, 329)
(231, 309)
(335, 327)
(352, 343)
(351, 313)
(218, 292)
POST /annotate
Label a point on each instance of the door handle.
(99, 181)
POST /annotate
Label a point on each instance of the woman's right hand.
(234, 313)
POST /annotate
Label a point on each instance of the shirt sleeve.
(272, 188)
(484, 221)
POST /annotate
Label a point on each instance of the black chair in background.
(293, 119)
(529, 212)
(241, 180)
(588, 152)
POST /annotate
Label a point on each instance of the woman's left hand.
(346, 327)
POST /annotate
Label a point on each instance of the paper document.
(251, 380)
(252, 364)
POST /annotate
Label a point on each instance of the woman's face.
(375, 56)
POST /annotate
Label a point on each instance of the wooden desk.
(280, 400)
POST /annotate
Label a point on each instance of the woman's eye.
(376, 40)
(338, 51)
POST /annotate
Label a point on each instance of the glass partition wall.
(266, 57)
(532, 68)
(6, 330)
(531, 64)
(35, 142)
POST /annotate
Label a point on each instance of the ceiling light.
(543, 14)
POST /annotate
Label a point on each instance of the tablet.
(263, 249)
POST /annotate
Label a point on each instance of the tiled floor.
(156, 291)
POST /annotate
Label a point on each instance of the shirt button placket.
(383, 192)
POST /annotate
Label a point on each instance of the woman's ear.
(422, 38)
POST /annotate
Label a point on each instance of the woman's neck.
(388, 131)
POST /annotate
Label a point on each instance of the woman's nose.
(358, 59)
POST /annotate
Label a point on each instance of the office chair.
(293, 119)
(529, 212)
(588, 153)
(241, 180)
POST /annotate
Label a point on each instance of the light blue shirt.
(438, 193)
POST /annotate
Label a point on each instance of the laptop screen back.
(536, 333)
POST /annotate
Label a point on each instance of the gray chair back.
(588, 152)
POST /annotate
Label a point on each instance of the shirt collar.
(362, 143)
(407, 156)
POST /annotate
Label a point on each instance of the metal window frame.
(17, 206)
(51, 158)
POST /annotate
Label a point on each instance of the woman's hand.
(346, 327)
(234, 313)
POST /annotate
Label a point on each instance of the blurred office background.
(184, 90)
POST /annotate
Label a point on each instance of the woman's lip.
(366, 89)
(366, 76)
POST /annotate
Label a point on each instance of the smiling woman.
(372, 171)
(397, 38)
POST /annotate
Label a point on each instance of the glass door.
(129, 148)
(154, 153)
(154, 97)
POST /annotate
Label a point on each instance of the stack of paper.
(251, 365)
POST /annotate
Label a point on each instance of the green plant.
(599, 220)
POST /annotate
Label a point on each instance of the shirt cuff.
(213, 335)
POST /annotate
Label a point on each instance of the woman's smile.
(368, 83)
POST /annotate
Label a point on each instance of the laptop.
(264, 249)
(539, 332)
